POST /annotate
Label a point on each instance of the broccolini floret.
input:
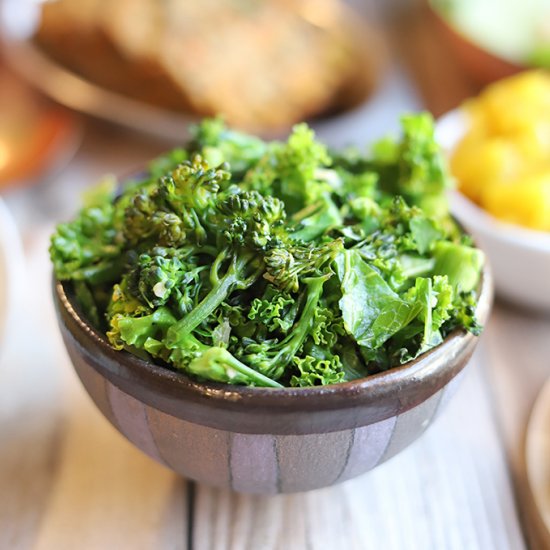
(274, 264)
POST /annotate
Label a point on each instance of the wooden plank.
(31, 420)
(68, 478)
(106, 494)
(451, 490)
(536, 456)
(518, 363)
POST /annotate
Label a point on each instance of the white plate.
(11, 269)
(520, 257)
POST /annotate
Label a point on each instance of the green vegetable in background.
(275, 263)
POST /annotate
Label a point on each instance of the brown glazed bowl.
(264, 440)
(480, 64)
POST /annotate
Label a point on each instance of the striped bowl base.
(258, 463)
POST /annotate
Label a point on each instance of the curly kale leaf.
(240, 261)
(293, 171)
(460, 263)
(316, 219)
(218, 144)
(88, 248)
(272, 358)
(317, 372)
(371, 310)
(275, 310)
(413, 167)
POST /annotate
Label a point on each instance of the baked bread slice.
(262, 65)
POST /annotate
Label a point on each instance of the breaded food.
(262, 65)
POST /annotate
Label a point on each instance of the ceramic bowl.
(520, 257)
(259, 440)
(480, 64)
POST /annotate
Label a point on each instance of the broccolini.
(275, 264)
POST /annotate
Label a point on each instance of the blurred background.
(120, 80)
(152, 67)
(89, 87)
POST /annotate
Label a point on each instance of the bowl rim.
(450, 128)
(472, 215)
(365, 401)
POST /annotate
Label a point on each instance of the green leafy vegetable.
(275, 264)
(371, 310)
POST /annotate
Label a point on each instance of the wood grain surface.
(518, 360)
(451, 489)
(537, 451)
(69, 480)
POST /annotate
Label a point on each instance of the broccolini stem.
(296, 339)
(219, 292)
(290, 346)
(214, 277)
(220, 365)
(254, 376)
(196, 316)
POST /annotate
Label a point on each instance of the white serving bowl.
(11, 265)
(520, 257)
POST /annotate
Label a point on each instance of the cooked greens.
(275, 263)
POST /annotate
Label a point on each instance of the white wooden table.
(69, 480)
